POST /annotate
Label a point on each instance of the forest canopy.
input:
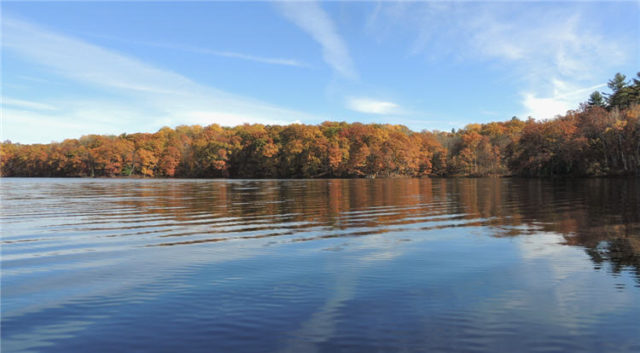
(601, 137)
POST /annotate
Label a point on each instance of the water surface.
(416, 265)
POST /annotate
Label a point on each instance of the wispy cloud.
(558, 43)
(548, 51)
(25, 104)
(558, 56)
(138, 96)
(311, 18)
(260, 59)
(207, 51)
(372, 106)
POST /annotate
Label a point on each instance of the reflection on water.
(321, 265)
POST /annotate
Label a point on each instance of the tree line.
(601, 137)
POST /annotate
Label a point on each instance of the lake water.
(411, 265)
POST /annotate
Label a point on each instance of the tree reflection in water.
(601, 215)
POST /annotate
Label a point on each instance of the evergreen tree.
(623, 95)
(617, 83)
(596, 99)
(635, 90)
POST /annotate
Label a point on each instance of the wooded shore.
(600, 138)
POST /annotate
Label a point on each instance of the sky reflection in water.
(321, 265)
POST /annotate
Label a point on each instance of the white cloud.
(564, 97)
(86, 62)
(544, 108)
(311, 18)
(535, 39)
(371, 106)
(139, 96)
(549, 51)
(553, 43)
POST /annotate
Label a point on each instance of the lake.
(412, 265)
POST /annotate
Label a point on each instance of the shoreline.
(138, 177)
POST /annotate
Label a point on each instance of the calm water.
(451, 265)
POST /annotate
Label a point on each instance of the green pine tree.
(596, 99)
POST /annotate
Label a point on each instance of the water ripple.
(433, 265)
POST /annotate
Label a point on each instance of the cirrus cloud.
(311, 18)
(127, 94)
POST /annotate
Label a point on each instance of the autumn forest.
(601, 137)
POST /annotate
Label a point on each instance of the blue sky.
(75, 68)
